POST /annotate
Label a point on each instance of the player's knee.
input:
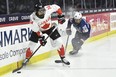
(59, 42)
(75, 40)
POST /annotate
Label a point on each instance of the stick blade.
(17, 69)
(58, 61)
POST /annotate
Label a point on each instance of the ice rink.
(95, 59)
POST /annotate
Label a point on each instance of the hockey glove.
(61, 19)
(68, 31)
(42, 40)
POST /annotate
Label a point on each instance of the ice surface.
(96, 59)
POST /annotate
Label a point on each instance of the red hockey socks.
(61, 51)
(28, 53)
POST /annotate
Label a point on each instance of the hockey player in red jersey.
(41, 23)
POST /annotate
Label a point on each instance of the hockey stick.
(59, 61)
(34, 52)
(66, 43)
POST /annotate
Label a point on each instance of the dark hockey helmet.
(40, 10)
(38, 6)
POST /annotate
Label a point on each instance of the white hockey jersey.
(38, 24)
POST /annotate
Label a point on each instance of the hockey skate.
(74, 52)
(63, 60)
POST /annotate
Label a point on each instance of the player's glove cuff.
(61, 19)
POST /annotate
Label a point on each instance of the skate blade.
(58, 61)
(65, 65)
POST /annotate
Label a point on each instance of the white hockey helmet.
(77, 15)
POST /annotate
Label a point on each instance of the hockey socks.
(62, 56)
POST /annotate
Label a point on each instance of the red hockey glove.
(61, 19)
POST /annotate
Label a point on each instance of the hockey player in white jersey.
(41, 23)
